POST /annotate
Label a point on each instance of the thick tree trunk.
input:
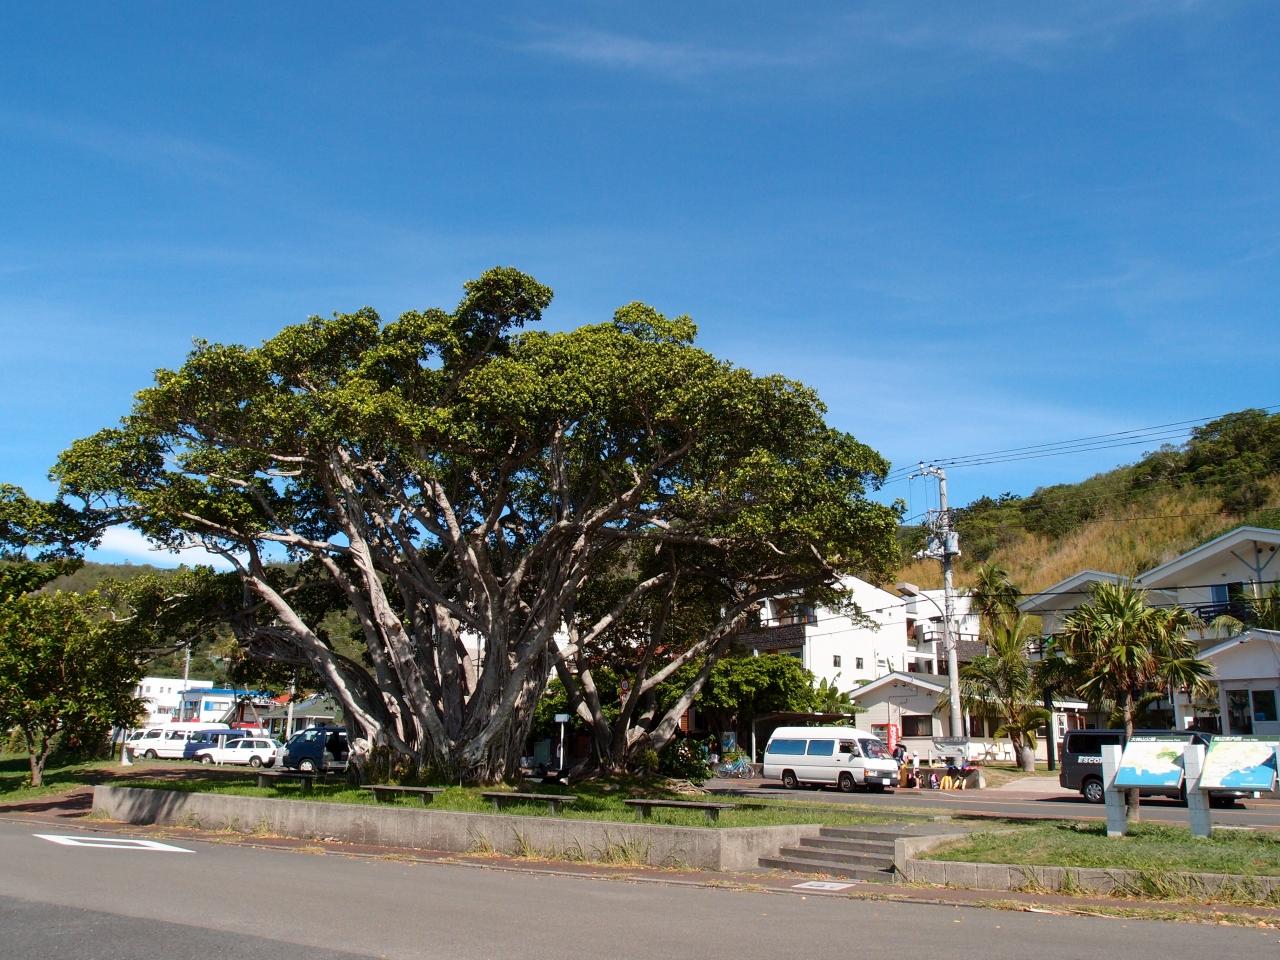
(38, 750)
(1028, 758)
(1132, 801)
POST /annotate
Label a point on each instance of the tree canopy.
(456, 481)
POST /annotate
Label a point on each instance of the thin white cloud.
(125, 543)
(670, 58)
(1023, 34)
(1026, 34)
(148, 147)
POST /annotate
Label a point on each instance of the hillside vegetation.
(1128, 519)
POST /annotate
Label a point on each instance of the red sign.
(891, 735)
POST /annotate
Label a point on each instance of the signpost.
(562, 719)
(952, 747)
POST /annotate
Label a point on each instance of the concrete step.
(882, 847)
(871, 861)
(827, 868)
(889, 832)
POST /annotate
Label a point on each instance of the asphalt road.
(1249, 813)
(226, 901)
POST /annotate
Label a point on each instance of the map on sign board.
(1151, 762)
(1240, 763)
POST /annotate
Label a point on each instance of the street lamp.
(949, 644)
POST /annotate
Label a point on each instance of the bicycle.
(740, 769)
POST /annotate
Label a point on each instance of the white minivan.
(840, 756)
(175, 741)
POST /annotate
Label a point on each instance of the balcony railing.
(1242, 610)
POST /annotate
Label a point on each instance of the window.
(835, 660)
(790, 748)
(821, 748)
(917, 725)
(857, 663)
(1264, 706)
(849, 747)
(1239, 717)
(1089, 744)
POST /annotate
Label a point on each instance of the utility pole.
(186, 679)
(945, 547)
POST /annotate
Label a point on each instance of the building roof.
(928, 686)
(1068, 593)
(897, 679)
(1257, 633)
(319, 705)
(1166, 572)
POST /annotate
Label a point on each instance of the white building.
(162, 695)
(884, 633)
(911, 704)
(1216, 578)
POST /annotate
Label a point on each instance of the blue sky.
(971, 227)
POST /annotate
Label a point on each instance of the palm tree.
(1003, 681)
(995, 598)
(1127, 649)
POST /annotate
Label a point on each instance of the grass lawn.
(998, 774)
(596, 801)
(62, 775)
(59, 776)
(1148, 847)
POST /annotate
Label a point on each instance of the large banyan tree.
(459, 482)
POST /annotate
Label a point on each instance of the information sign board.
(1151, 762)
(1240, 763)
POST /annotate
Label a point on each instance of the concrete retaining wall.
(1000, 876)
(705, 848)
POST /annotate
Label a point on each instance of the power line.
(1084, 591)
(1102, 441)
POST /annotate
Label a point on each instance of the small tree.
(64, 673)
(740, 689)
(1003, 682)
(1126, 649)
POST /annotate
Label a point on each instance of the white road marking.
(822, 885)
(111, 843)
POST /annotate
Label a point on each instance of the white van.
(841, 756)
(173, 740)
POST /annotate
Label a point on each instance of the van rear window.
(790, 748)
(1090, 744)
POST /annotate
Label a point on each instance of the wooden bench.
(268, 778)
(386, 793)
(711, 809)
(554, 801)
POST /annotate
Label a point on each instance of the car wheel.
(150, 754)
(846, 783)
(206, 758)
(255, 761)
(307, 766)
(789, 779)
(1092, 790)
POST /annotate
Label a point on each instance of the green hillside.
(1128, 519)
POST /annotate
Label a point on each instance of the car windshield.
(874, 749)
